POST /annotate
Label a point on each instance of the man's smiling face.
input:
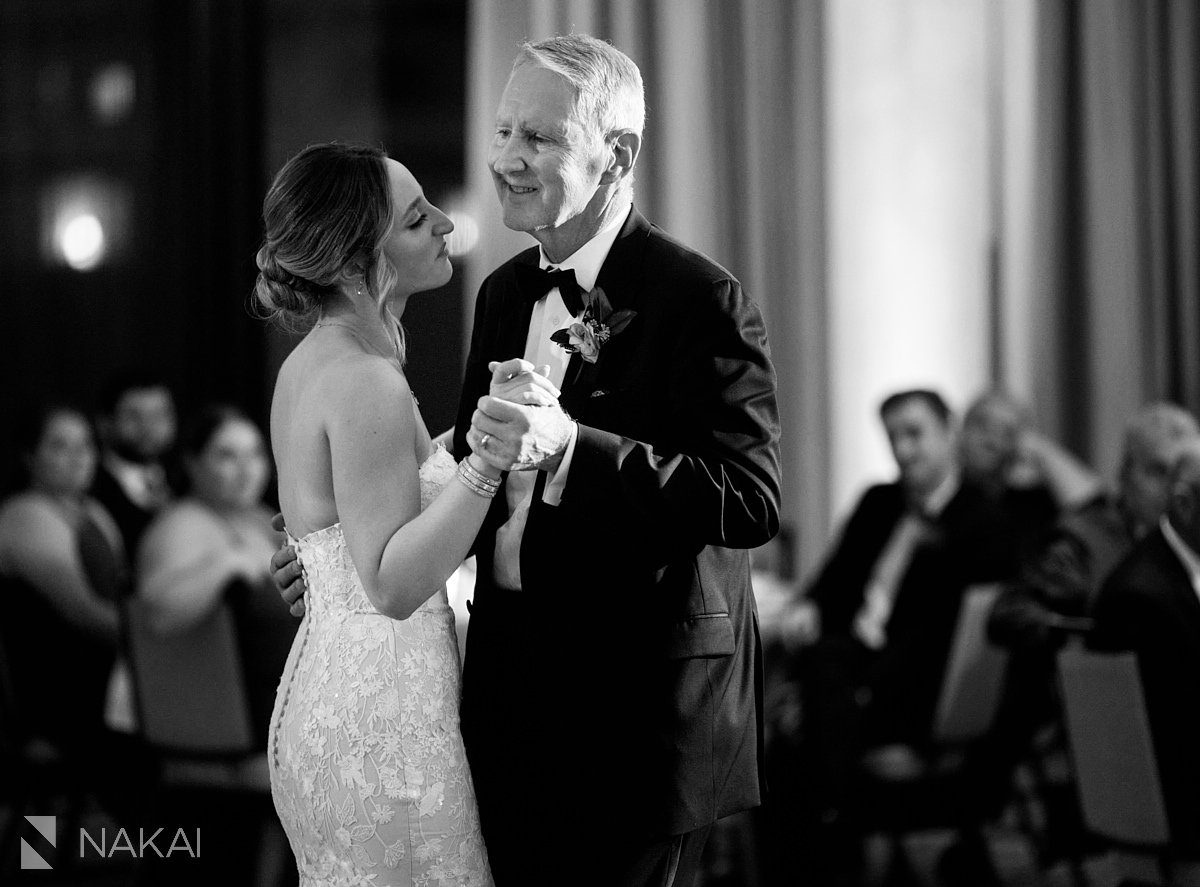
(545, 160)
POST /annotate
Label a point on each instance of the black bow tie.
(535, 282)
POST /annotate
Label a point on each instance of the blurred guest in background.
(1051, 600)
(137, 425)
(880, 614)
(213, 546)
(1151, 606)
(1034, 478)
(1058, 584)
(63, 568)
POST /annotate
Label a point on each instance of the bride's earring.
(358, 291)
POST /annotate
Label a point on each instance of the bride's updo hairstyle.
(325, 220)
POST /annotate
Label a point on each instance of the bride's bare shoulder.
(345, 379)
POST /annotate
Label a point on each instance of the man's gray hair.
(1156, 425)
(1185, 469)
(608, 85)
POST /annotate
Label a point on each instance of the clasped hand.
(518, 425)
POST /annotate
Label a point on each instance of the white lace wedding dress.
(368, 770)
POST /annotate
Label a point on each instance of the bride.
(368, 771)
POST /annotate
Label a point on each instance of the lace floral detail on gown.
(368, 770)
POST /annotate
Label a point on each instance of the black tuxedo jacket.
(131, 519)
(1148, 606)
(621, 686)
(971, 542)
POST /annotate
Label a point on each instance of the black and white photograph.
(600, 443)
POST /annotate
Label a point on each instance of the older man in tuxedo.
(1151, 605)
(612, 679)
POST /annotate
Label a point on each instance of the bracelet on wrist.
(479, 476)
(476, 481)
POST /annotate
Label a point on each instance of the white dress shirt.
(144, 483)
(870, 623)
(1183, 551)
(549, 315)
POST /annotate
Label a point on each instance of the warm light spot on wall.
(85, 221)
(82, 241)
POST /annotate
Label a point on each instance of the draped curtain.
(1101, 281)
(731, 164)
(1139, 219)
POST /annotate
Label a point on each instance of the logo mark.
(48, 828)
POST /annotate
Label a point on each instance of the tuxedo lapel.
(620, 275)
(620, 278)
(1177, 582)
(578, 383)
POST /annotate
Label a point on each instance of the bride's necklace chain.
(358, 335)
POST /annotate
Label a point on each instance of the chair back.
(974, 679)
(189, 684)
(1109, 737)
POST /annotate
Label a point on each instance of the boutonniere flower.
(597, 325)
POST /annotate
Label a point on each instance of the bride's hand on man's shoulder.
(519, 381)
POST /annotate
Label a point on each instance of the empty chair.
(974, 680)
(1120, 791)
(195, 717)
(192, 701)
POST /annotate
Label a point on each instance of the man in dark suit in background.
(1151, 605)
(612, 681)
(874, 626)
(137, 426)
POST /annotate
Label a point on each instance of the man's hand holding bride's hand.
(519, 381)
(285, 571)
(520, 426)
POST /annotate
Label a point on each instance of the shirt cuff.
(552, 494)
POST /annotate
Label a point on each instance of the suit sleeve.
(839, 586)
(712, 477)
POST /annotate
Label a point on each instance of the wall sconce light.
(84, 221)
(81, 241)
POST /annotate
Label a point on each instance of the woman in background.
(217, 532)
(212, 546)
(63, 569)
